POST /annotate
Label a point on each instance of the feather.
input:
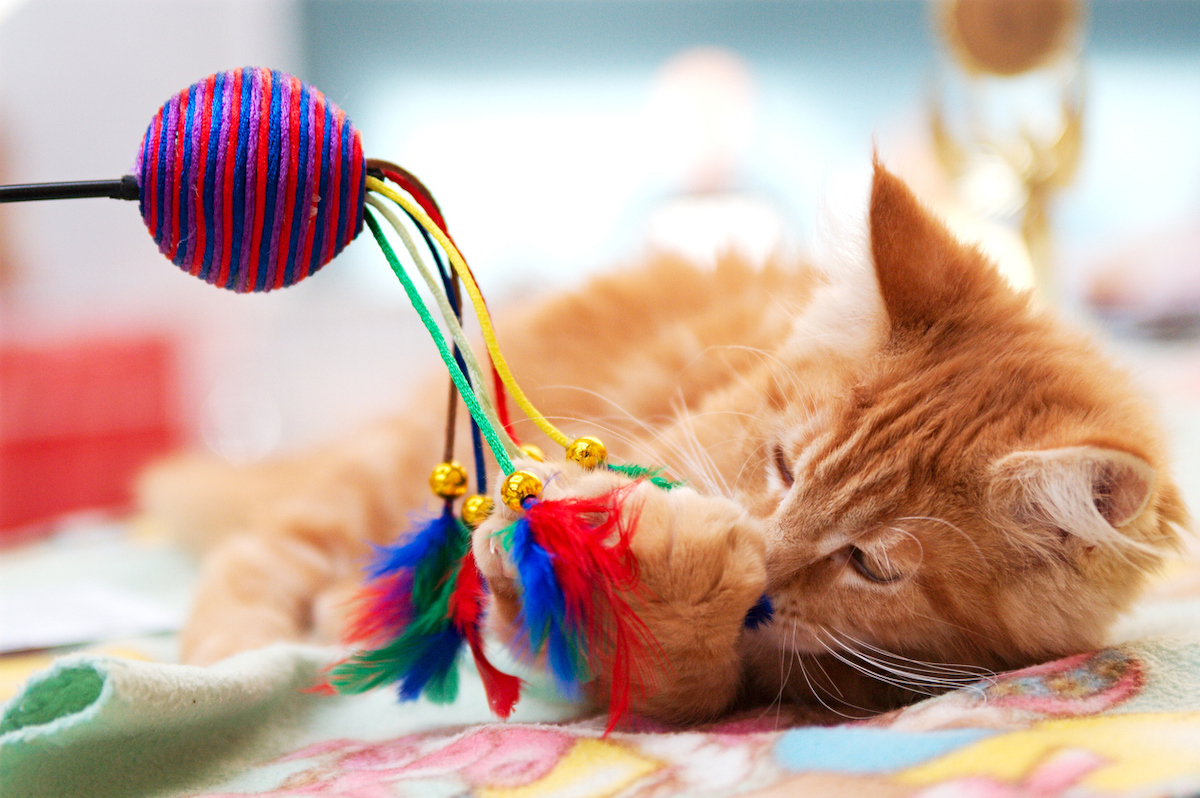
(577, 574)
(413, 643)
(466, 612)
(760, 614)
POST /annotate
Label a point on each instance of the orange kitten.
(928, 476)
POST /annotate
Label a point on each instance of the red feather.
(588, 540)
(381, 610)
(466, 612)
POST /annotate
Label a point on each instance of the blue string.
(239, 179)
(344, 208)
(274, 142)
(163, 142)
(183, 198)
(323, 191)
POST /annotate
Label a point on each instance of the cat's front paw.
(702, 566)
(702, 561)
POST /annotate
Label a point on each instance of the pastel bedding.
(1122, 721)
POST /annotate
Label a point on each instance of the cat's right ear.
(1087, 492)
(924, 272)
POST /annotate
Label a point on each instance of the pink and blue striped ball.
(251, 179)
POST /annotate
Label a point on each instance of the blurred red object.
(77, 421)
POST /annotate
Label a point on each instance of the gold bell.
(588, 452)
(519, 486)
(449, 480)
(475, 509)
(533, 452)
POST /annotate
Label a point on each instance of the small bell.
(519, 486)
(448, 480)
(475, 509)
(588, 452)
(533, 452)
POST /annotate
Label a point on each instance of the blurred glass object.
(702, 118)
(1007, 114)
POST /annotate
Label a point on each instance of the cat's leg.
(702, 567)
(282, 566)
(253, 590)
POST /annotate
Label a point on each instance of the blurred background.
(563, 137)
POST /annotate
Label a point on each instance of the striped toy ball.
(251, 179)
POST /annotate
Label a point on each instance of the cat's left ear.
(1085, 491)
(924, 272)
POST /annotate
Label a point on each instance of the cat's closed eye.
(782, 467)
(874, 566)
(886, 559)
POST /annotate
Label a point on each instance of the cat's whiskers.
(695, 461)
(910, 677)
(757, 457)
(784, 651)
(894, 680)
(622, 412)
(971, 672)
(698, 454)
(840, 697)
(920, 547)
(639, 449)
(781, 368)
(815, 691)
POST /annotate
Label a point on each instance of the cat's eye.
(781, 465)
(873, 568)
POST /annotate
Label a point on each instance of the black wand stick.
(124, 189)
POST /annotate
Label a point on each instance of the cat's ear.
(924, 272)
(1085, 491)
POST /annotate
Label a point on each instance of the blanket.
(1124, 720)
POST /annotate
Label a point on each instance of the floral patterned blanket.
(1122, 721)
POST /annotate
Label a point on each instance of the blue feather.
(434, 668)
(543, 607)
(760, 614)
(426, 539)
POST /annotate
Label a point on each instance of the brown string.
(452, 404)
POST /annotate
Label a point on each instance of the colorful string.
(450, 319)
(497, 445)
(481, 311)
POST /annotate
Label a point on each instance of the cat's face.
(968, 483)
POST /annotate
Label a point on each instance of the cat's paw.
(702, 566)
(702, 560)
(560, 481)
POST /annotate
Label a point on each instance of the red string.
(409, 182)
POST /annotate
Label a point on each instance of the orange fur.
(930, 477)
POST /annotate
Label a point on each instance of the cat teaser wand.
(253, 180)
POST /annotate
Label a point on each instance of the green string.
(460, 381)
(474, 373)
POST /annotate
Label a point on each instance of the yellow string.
(485, 320)
(451, 322)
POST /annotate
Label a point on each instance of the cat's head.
(961, 479)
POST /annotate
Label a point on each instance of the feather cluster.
(423, 600)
